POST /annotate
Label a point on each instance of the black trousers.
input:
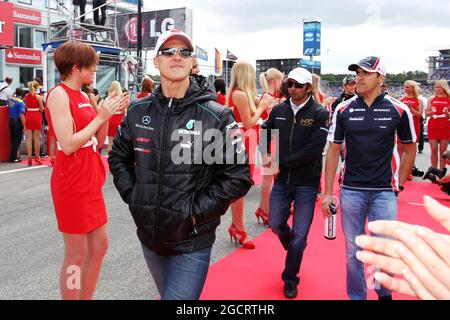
(82, 5)
(95, 5)
(16, 129)
(421, 139)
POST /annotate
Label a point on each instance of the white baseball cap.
(173, 34)
(300, 75)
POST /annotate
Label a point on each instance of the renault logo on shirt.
(146, 120)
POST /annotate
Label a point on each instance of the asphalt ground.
(31, 250)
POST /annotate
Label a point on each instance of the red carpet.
(256, 274)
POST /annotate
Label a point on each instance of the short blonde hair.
(243, 77)
(115, 87)
(269, 75)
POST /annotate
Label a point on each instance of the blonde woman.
(415, 104)
(439, 124)
(33, 122)
(317, 92)
(247, 109)
(116, 119)
(270, 81)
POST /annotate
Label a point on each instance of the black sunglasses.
(170, 52)
(296, 84)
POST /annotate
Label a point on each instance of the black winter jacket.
(301, 141)
(165, 196)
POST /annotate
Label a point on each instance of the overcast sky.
(398, 31)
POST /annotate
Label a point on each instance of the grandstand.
(439, 66)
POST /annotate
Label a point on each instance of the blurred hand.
(110, 105)
(327, 199)
(416, 261)
(267, 102)
(266, 160)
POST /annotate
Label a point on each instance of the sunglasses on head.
(296, 84)
(170, 52)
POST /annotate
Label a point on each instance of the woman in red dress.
(116, 119)
(270, 81)
(439, 124)
(146, 88)
(247, 109)
(415, 104)
(33, 121)
(221, 91)
(79, 174)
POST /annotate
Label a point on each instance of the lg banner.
(153, 24)
(6, 24)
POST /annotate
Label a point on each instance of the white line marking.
(24, 169)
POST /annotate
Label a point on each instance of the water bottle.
(330, 223)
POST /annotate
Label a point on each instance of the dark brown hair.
(147, 85)
(74, 53)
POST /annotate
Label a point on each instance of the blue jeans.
(293, 240)
(356, 207)
(179, 277)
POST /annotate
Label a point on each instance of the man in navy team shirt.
(371, 124)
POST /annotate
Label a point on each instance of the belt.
(91, 143)
(439, 116)
(33, 109)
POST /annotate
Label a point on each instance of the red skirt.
(114, 122)
(438, 134)
(33, 120)
(76, 186)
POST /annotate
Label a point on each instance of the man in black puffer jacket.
(178, 161)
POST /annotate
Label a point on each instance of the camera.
(433, 172)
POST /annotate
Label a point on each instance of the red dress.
(439, 124)
(265, 114)
(220, 98)
(33, 116)
(114, 123)
(77, 179)
(414, 103)
(251, 136)
(142, 94)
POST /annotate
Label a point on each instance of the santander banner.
(27, 16)
(6, 24)
(23, 56)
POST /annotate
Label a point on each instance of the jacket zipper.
(290, 145)
(161, 168)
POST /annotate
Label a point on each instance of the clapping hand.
(416, 261)
(113, 103)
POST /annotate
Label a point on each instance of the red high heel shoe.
(260, 213)
(30, 161)
(52, 161)
(38, 161)
(240, 236)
